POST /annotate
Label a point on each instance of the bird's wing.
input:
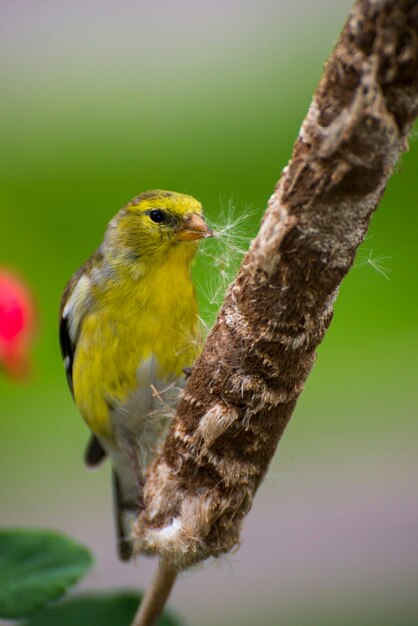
(74, 304)
(67, 351)
(72, 311)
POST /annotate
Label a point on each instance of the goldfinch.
(129, 332)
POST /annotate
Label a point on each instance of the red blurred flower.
(17, 324)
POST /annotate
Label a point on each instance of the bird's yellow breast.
(152, 315)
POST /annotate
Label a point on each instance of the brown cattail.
(245, 385)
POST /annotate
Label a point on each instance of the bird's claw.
(187, 371)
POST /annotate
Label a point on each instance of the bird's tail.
(95, 453)
(126, 492)
(124, 511)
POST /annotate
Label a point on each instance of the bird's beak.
(193, 227)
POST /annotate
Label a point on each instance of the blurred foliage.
(37, 567)
(114, 609)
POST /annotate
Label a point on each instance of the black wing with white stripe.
(68, 331)
(94, 453)
(67, 351)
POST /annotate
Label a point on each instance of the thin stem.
(156, 595)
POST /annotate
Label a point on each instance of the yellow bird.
(129, 332)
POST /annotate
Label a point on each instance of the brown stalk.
(154, 599)
(245, 385)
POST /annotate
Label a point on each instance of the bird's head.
(155, 224)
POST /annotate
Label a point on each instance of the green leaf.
(37, 567)
(117, 609)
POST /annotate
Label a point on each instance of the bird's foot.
(187, 371)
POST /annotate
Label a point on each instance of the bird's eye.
(157, 216)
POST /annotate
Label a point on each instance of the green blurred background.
(102, 100)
